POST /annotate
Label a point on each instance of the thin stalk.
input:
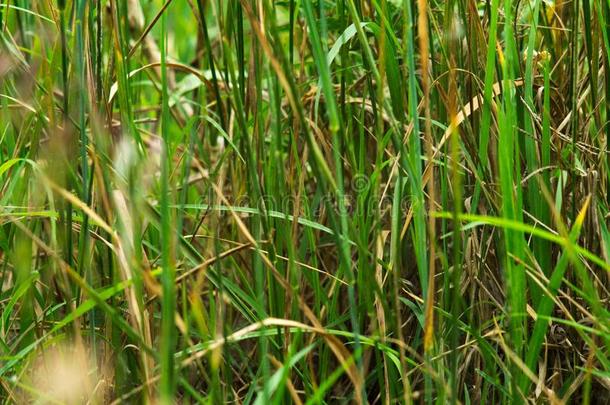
(168, 304)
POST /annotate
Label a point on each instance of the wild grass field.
(309, 202)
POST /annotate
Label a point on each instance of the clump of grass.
(304, 201)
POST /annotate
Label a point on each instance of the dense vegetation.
(337, 201)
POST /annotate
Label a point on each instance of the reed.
(343, 201)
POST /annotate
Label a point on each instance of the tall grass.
(299, 201)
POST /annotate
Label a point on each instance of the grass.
(298, 201)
